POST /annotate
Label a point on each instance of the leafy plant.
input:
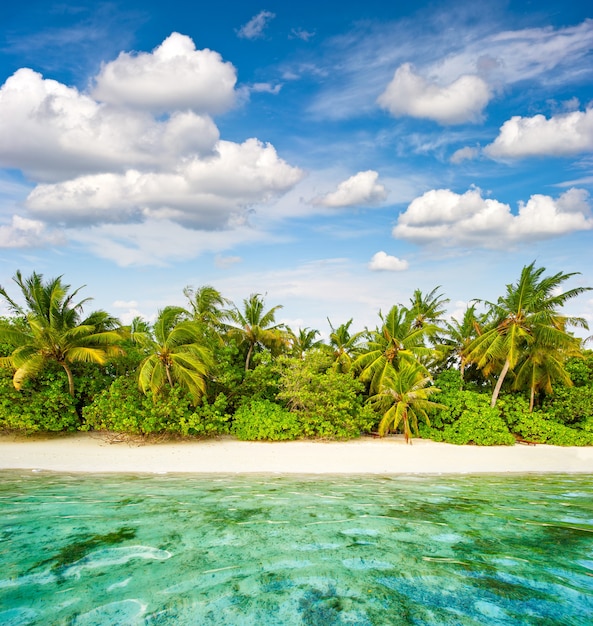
(264, 420)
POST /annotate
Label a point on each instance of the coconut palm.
(529, 308)
(427, 309)
(457, 336)
(398, 341)
(542, 365)
(303, 341)
(177, 355)
(206, 306)
(53, 329)
(344, 345)
(255, 327)
(402, 397)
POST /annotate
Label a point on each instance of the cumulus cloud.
(97, 162)
(382, 261)
(51, 131)
(459, 102)
(26, 233)
(442, 217)
(566, 134)
(464, 154)
(254, 29)
(174, 76)
(360, 189)
(200, 193)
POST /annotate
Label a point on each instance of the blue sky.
(331, 156)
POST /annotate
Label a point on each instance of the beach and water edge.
(103, 453)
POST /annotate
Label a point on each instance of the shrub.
(468, 418)
(265, 420)
(329, 404)
(207, 419)
(42, 405)
(534, 427)
(569, 405)
(124, 408)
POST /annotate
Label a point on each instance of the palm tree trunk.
(499, 382)
(70, 377)
(531, 398)
(248, 359)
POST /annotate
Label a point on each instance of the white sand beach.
(96, 452)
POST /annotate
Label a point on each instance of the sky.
(330, 156)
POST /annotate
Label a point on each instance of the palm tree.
(458, 336)
(543, 364)
(344, 345)
(303, 341)
(427, 309)
(402, 397)
(54, 330)
(177, 355)
(206, 306)
(256, 327)
(529, 308)
(397, 341)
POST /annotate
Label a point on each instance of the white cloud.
(26, 233)
(464, 154)
(51, 131)
(224, 262)
(159, 242)
(125, 304)
(256, 25)
(442, 217)
(100, 162)
(382, 261)
(201, 193)
(300, 33)
(566, 134)
(266, 88)
(360, 189)
(174, 76)
(459, 102)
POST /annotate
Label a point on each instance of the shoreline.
(95, 453)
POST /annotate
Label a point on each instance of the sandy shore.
(93, 452)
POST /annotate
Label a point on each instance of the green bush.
(467, 418)
(329, 404)
(569, 405)
(265, 420)
(207, 419)
(124, 408)
(482, 428)
(42, 405)
(534, 427)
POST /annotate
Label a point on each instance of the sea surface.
(273, 550)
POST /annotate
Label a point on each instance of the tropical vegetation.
(508, 370)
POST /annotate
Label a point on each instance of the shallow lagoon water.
(275, 550)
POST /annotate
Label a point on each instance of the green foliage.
(260, 383)
(534, 427)
(569, 405)
(484, 427)
(123, 408)
(42, 405)
(264, 420)
(329, 404)
(467, 418)
(207, 419)
(580, 370)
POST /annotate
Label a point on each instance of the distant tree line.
(508, 370)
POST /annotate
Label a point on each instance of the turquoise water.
(267, 550)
